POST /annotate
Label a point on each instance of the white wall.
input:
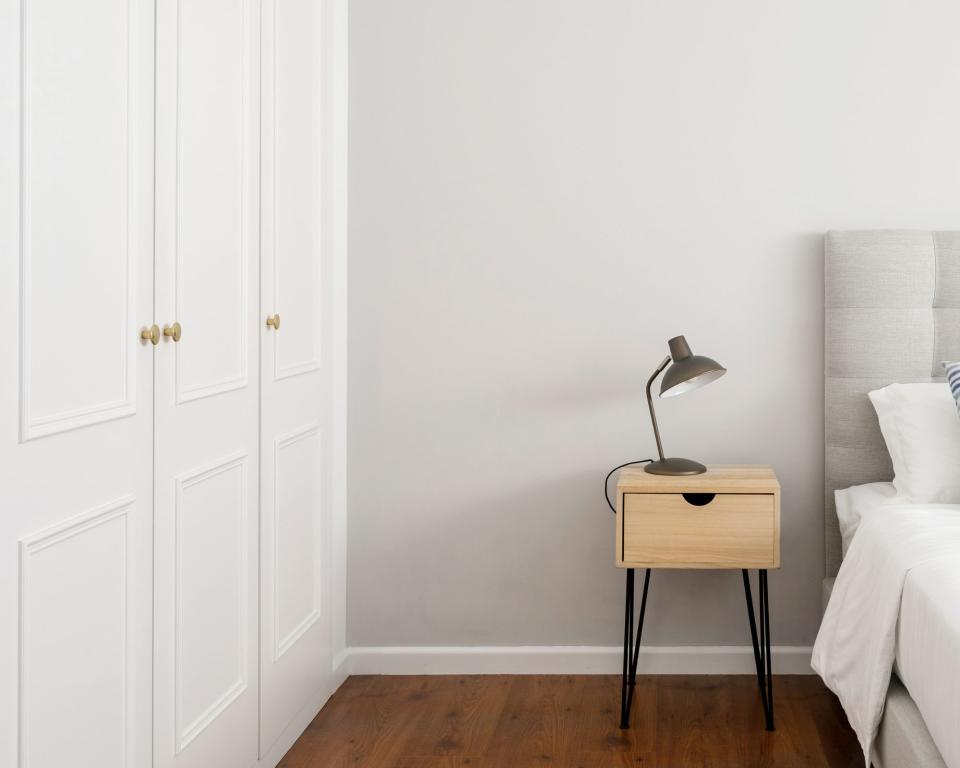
(541, 193)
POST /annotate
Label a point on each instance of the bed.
(892, 313)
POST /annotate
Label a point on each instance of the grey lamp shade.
(688, 371)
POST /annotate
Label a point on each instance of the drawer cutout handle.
(698, 499)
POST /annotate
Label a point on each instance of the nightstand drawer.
(700, 530)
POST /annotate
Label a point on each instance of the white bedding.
(910, 552)
(928, 649)
(857, 502)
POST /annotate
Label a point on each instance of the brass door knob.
(172, 331)
(151, 334)
(274, 322)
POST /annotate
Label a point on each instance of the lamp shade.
(688, 371)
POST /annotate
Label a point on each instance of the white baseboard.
(566, 660)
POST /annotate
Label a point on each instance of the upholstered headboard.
(892, 313)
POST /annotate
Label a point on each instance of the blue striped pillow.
(953, 379)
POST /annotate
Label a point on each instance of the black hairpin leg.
(761, 649)
(631, 648)
(768, 676)
(753, 627)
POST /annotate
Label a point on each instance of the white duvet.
(855, 650)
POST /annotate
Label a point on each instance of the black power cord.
(606, 481)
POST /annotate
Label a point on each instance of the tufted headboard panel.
(892, 313)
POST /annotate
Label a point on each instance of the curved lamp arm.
(653, 416)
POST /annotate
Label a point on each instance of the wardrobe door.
(76, 400)
(295, 637)
(207, 383)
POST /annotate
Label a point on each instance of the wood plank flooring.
(570, 721)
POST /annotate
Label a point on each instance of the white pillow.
(920, 425)
(856, 502)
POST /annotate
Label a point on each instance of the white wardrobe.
(172, 240)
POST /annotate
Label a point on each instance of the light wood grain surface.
(659, 527)
(719, 478)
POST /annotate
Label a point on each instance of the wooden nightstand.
(727, 517)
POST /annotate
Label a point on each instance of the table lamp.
(688, 372)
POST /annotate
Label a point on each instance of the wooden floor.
(502, 721)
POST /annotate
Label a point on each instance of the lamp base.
(675, 467)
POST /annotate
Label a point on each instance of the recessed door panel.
(78, 214)
(78, 641)
(212, 196)
(297, 535)
(212, 563)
